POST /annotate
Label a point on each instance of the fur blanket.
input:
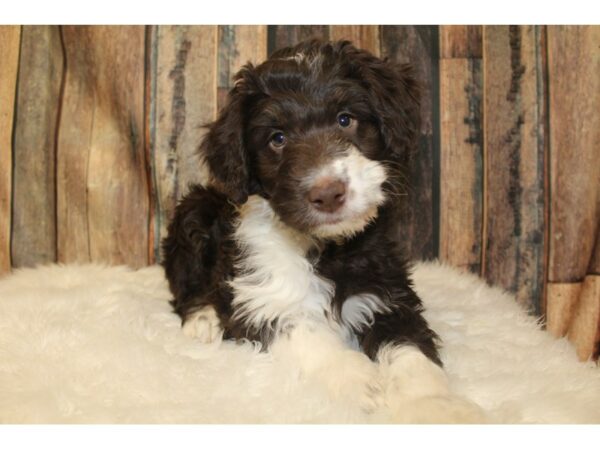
(93, 344)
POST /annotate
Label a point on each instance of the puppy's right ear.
(224, 149)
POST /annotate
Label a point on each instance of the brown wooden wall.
(99, 127)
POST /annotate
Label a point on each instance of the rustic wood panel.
(574, 84)
(461, 173)
(514, 159)
(287, 35)
(594, 267)
(102, 186)
(586, 317)
(38, 101)
(183, 98)
(362, 36)
(563, 298)
(419, 45)
(238, 44)
(460, 41)
(73, 141)
(596, 353)
(10, 37)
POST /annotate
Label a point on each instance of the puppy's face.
(321, 130)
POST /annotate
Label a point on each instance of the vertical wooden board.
(362, 36)
(183, 99)
(594, 266)
(461, 171)
(72, 152)
(419, 46)
(514, 158)
(563, 298)
(289, 35)
(10, 37)
(574, 85)
(238, 45)
(460, 41)
(596, 354)
(102, 180)
(584, 325)
(34, 202)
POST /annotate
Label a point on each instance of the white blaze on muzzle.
(364, 193)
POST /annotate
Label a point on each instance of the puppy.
(290, 245)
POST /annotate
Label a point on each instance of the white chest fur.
(276, 285)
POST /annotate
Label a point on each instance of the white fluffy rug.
(99, 344)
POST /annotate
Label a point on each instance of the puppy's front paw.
(353, 378)
(436, 409)
(417, 390)
(203, 325)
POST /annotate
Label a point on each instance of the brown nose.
(328, 196)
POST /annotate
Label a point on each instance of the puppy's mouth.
(342, 223)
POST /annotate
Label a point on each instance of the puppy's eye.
(344, 120)
(277, 140)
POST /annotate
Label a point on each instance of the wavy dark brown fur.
(200, 252)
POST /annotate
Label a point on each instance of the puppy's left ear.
(395, 96)
(224, 148)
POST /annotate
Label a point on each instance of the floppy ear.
(224, 149)
(395, 96)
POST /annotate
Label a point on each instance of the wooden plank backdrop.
(573, 301)
(10, 37)
(515, 158)
(100, 126)
(102, 186)
(34, 196)
(419, 45)
(461, 172)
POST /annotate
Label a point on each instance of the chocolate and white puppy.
(291, 245)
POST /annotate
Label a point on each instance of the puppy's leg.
(349, 376)
(193, 251)
(203, 324)
(416, 388)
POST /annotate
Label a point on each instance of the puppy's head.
(321, 130)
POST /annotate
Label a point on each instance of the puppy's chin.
(343, 225)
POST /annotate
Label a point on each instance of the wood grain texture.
(586, 317)
(574, 84)
(514, 160)
(362, 36)
(10, 37)
(238, 45)
(102, 186)
(419, 46)
(461, 172)
(594, 266)
(183, 65)
(563, 297)
(34, 201)
(288, 35)
(460, 41)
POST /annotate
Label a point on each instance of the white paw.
(346, 375)
(417, 390)
(203, 325)
(436, 409)
(409, 373)
(353, 378)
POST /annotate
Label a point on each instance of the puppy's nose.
(328, 195)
